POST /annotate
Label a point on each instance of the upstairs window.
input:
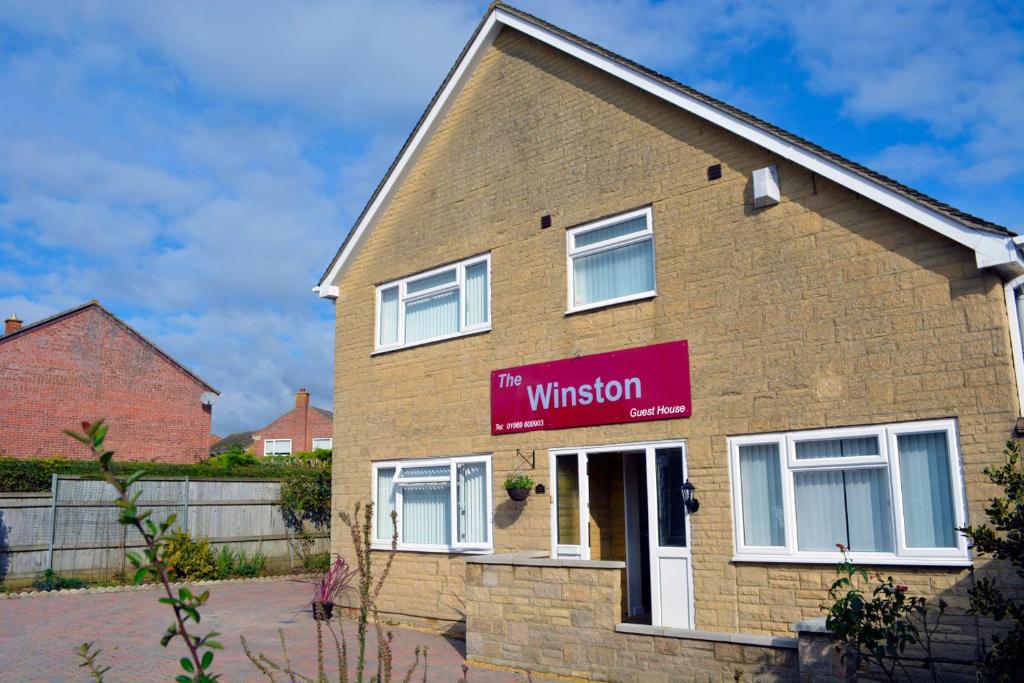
(441, 505)
(277, 447)
(324, 442)
(611, 260)
(438, 304)
(891, 494)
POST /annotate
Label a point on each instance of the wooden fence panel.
(77, 533)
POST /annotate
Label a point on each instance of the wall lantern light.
(689, 501)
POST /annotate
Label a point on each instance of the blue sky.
(195, 165)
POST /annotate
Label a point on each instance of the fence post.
(187, 487)
(53, 519)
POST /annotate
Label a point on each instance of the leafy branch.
(184, 604)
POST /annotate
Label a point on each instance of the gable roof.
(243, 439)
(94, 303)
(993, 244)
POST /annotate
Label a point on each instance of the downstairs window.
(442, 504)
(891, 494)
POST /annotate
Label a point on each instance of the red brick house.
(86, 363)
(303, 428)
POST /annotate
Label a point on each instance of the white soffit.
(991, 250)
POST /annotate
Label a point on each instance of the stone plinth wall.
(562, 617)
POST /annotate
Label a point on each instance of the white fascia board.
(328, 287)
(991, 250)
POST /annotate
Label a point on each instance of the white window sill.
(447, 550)
(432, 340)
(642, 296)
(860, 560)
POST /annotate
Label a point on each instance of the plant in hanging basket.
(518, 486)
(329, 588)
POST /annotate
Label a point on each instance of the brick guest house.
(718, 349)
(85, 363)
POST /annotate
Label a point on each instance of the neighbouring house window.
(277, 447)
(439, 304)
(325, 443)
(890, 493)
(611, 260)
(442, 505)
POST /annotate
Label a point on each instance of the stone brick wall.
(88, 365)
(301, 424)
(826, 310)
(562, 620)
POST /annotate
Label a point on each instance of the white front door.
(669, 525)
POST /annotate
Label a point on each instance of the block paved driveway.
(39, 636)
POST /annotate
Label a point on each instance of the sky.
(195, 166)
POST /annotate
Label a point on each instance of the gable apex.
(994, 245)
(94, 304)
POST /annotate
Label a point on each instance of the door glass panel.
(567, 481)
(668, 464)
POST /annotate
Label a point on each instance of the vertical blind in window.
(433, 316)
(426, 518)
(388, 316)
(615, 273)
(889, 493)
(612, 261)
(418, 309)
(476, 294)
(761, 495)
(843, 506)
(927, 490)
(471, 495)
(422, 495)
(385, 502)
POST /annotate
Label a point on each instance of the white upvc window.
(277, 447)
(611, 260)
(323, 442)
(442, 303)
(443, 505)
(890, 494)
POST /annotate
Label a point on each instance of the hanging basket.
(518, 494)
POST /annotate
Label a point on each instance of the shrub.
(1002, 536)
(877, 628)
(226, 561)
(318, 562)
(50, 580)
(306, 497)
(518, 481)
(34, 475)
(250, 566)
(235, 456)
(188, 558)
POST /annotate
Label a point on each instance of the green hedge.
(35, 475)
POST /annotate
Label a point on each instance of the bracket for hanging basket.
(530, 459)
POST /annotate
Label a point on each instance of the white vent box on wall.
(766, 186)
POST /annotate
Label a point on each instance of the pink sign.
(631, 385)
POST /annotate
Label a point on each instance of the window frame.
(453, 462)
(276, 455)
(572, 253)
(404, 298)
(323, 438)
(888, 459)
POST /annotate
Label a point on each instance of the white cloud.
(196, 165)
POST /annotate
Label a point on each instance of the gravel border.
(150, 586)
